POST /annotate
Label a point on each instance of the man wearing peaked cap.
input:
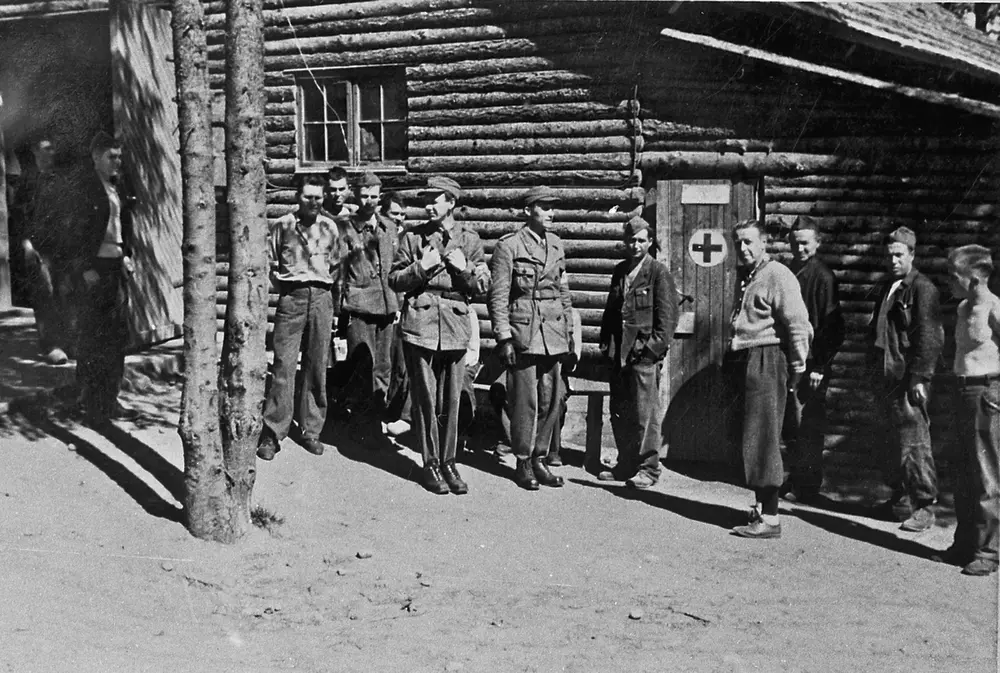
(435, 268)
(905, 338)
(368, 315)
(636, 330)
(531, 312)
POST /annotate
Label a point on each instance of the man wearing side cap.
(905, 338)
(636, 330)
(531, 312)
(368, 313)
(435, 268)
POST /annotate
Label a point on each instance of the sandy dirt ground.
(369, 572)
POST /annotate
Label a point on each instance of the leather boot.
(455, 483)
(542, 473)
(433, 481)
(524, 477)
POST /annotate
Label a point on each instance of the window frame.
(353, 77)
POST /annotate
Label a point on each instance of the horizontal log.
(600, 231)
(820, 208)
(436, 53)
(502, 98)
(912, 194)
(538, 80)
(590, 161)
(535, 27)
(440, 148)
(720, 145)
(564, 178)
(280, 26)
(706, 164)
(544, 112)
(560, 214)
(656, 129)
(585, 249)
(559, 129)
(978, 180)
(624, 199)
(308, 11)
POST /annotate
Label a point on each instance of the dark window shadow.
(714, 515)
(146, 497)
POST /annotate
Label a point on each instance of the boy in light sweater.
(767, 353)
(977, 412)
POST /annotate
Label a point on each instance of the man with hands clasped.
(435, 269)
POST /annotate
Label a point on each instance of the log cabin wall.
(586, 97)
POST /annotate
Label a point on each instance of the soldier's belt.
(444, 294)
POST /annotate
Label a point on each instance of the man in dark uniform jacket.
(805, 411)
(636, 330)
(105, 244)
(368, 313)
(531, 312)
(905, 340)
(435, 266)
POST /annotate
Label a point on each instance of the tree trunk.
(207, 499)
(5, 291)
(244, 363)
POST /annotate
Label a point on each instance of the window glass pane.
(371, 142)
(395, 142)
(312, 102)
(394, 94)
(313, 143)
(371, 100)
(336, 101)
(336, 149)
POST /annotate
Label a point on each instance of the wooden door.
(695, 218)
(145, 116)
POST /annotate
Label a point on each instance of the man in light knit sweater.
(977, 413)
(769, 343)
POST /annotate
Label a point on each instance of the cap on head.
(368, 179)
(539, 194)
(437, 185)
(635, 225)
(905, 236)
(102, 142)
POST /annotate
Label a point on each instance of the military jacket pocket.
(524, 277)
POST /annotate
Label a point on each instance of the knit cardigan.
(773, 313)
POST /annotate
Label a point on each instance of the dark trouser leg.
(522, 405)
(41, 290)
(398, 395)
(384, 332)
(915, 470)
(803, 432)
(977, 491)
(765, 391)
(289, 325)
(451, 378)
(103, 338)
(635, 417)
(549, 372)
(315, 356)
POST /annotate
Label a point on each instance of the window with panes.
(352, 118)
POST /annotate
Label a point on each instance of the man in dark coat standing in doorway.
(531, 312)
(105, 244)
(636, 330)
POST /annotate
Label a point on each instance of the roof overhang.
(926, 95)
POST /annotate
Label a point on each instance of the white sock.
(769, 519)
